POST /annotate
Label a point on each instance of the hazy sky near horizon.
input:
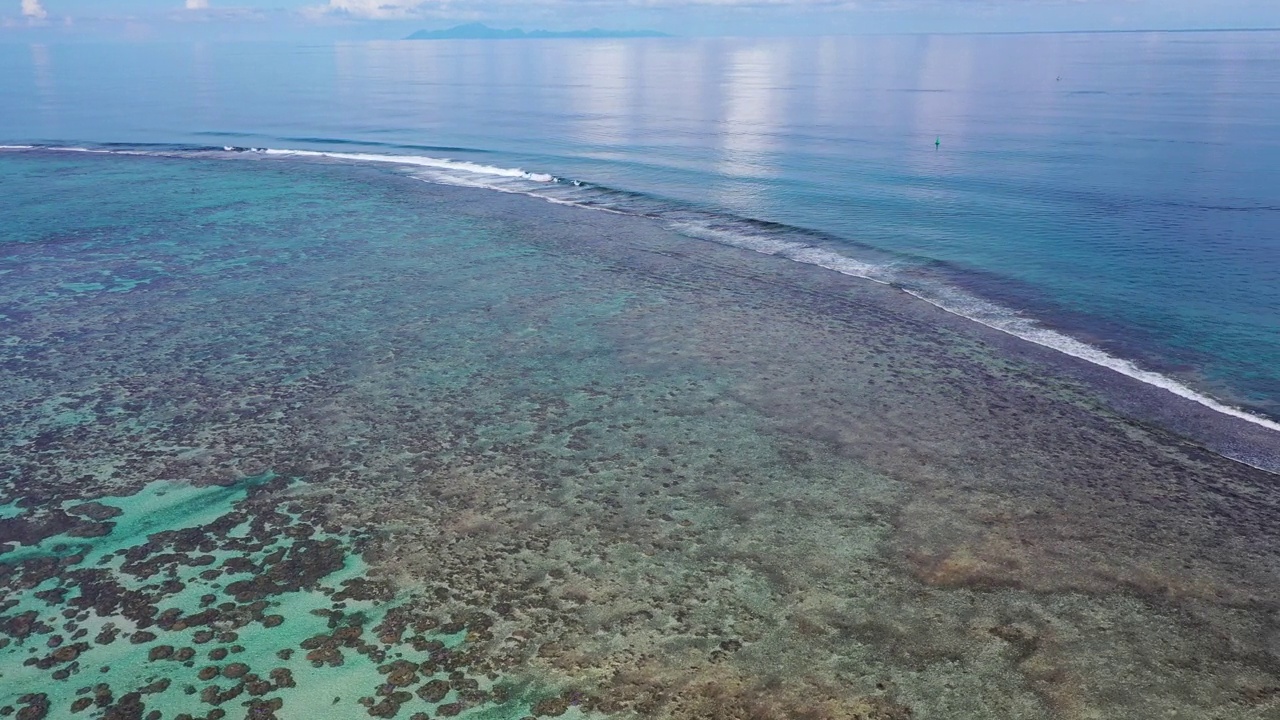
(365, 19)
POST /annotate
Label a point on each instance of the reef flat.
(299, 439)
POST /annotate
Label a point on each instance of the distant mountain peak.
(480, 31)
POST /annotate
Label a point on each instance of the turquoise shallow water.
(492, 457)
(1117, 187)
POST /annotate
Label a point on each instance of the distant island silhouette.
(480, 31)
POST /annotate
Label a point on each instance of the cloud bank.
(401, 9)
(34, 10)
(197, 4)
(374, 9)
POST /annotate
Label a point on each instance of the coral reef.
(491, 458)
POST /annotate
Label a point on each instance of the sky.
(141, 20)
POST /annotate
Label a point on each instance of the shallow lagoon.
(562, 463)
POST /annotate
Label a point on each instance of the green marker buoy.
(937, 144)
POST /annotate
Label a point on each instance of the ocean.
(864, 377)
(1116, 188)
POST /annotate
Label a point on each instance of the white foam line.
(461, 182)
(558, 201)
(77, 149)
(17, 147)
(842, 264)
(1030, 331)
(420, 161)
(762, 245)
(798, 252)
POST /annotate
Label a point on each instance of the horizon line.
(15, 39)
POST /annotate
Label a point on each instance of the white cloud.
(393, 9)
(34, 10)
(378, 9)
(501, 10)
(197, 4)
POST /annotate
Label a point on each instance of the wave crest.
(420, 161)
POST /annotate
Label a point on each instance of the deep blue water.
(1119, 189)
